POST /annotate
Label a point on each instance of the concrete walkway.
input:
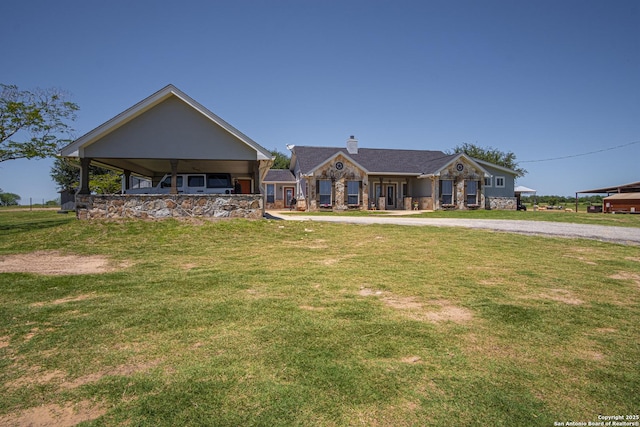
(621, 235)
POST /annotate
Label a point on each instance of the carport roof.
(148, 165)
(74, 149)
(633, 187)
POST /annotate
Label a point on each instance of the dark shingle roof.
(280, 175)
(377, 160)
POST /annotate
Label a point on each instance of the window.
(167, 182)
(195, 181)
(500, 181)
(271, 193)
(325, 192)
(487, 181)
(353, 192)
(472, 192)
(218, 180)
(446, 191)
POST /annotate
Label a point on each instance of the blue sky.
(543, 79)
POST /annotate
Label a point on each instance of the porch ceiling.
(159, 167)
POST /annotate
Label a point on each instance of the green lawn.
(285, 323)
(622, 220)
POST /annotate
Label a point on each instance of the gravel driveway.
(621, 235)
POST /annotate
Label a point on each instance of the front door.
(245, 186)
(288, 196)
(388, 191)
(391, 196)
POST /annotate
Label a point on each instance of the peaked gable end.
(168, 95)
(171, 129)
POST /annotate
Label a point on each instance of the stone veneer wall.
(156, 206)
(504, 203)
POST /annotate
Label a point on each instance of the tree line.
(560, 200)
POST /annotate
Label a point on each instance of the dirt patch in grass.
(55, 263)
(411, 359)
(606, 330)
(55, 415)
(122, 370)
(36, 376)
(5, 341)
(562, 295)
(449, 313)
(311, 308)
(365, 292)
(443, 311)
(402, 303)
(581, 258)
(626, 275)
(308, 244)
(64, 300)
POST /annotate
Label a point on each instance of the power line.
(581, 154)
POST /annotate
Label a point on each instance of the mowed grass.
(286, 323)
(581, 217)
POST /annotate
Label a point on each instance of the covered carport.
(169, 132)
(633, 187)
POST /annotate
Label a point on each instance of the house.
(350, 177)
(170, 133)
(280, 189)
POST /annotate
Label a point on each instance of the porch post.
(127, 179)
(309, 190)
(84, 176)
(434, 196)
(174, 176)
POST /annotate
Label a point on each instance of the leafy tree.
(66, 173)
(33, 124)
(8, 199)
(282, 161)
(105, 183)
(491, 155)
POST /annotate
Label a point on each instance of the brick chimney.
(352, 145)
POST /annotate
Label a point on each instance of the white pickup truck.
(191, 183)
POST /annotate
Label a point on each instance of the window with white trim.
(325, 192)
(487, 181)
(353, 192)
(500, 181)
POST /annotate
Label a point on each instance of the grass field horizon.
(283, 323)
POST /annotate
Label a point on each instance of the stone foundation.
(503, 203)
(158, 206)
